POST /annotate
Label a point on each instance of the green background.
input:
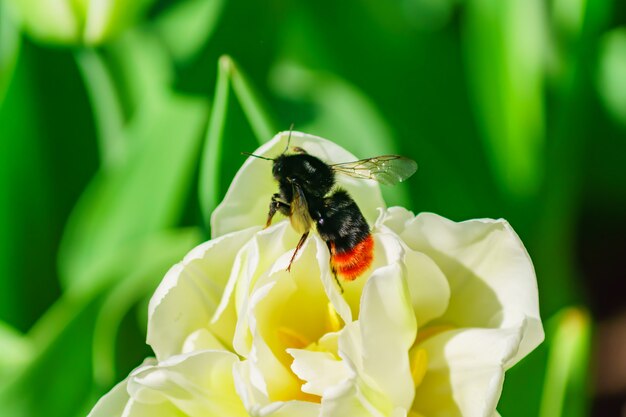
(113, 155)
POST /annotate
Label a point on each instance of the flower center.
(289, 337)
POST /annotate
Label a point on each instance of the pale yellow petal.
(202, 339)
(388, 329)
(199, 384)
(291, 409)
(348, 399)
(465, 371)
(190, 292)
(261, 258)
(491, 276)
(395, 219)
(320, 370)
(428, 287)
(113, 403)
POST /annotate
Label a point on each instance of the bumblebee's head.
(310, 173)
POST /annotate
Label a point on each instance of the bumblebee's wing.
(386, 169)
(300, 217)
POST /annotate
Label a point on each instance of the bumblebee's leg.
(277, 205)
(332, 268)
(337, 281)
(298, 246)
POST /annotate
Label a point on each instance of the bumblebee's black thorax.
(312, 175)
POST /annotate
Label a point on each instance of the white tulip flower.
(428, 330)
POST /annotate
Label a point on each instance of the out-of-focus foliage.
(76, 21)
(610, 77)
(113, 156)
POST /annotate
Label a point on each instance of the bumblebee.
(308, 196)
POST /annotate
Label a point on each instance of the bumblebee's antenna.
(256, 156)
(288, 138)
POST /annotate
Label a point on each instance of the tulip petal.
(201, 339)
(394, 218)
(113, 403)
(387, 315)
(337, 299)
(252, 262)
(348, 399)
(428, 286)
(491, 276)
(466, 371)
(320, 370)
(291, 409)
(190, 292)
(247, 200)
(199, 384)
(257, 402)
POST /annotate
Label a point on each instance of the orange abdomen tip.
(351, 263)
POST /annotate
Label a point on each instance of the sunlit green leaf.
(10, 41)
(505, 48)
(145, 195)
(104, 19)
(77, 22)
(566, 382)
(53, 21)
(16, 350)
(611, 78)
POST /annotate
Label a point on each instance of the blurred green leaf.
(146, 194)
(611, 79)
(10, 42)
(104, 20)
(106, 106)
(157, 254)
(569, 16)
(341, 113)
(16, 350)
(58, 378)
(505, 51)
(209, 186)
(65, 329)
(77, 22)
(141, 69)
(52, 21)
(187, 25)
(428, 14)
(565, 391)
